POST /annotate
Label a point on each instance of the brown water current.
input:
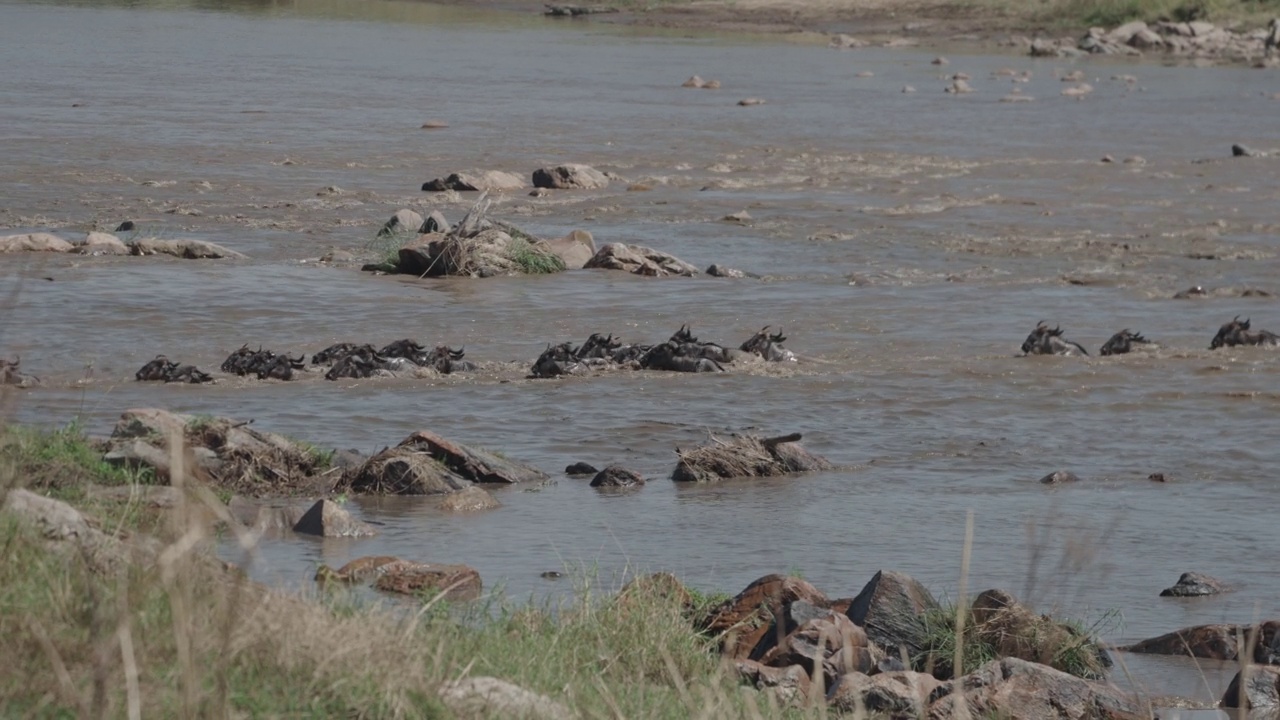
(911, 241)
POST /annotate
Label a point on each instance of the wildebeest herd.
(682, 352)
(1044, 340)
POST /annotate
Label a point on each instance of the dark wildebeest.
(11, 374)
(446, 360)
(768, 346)
(598, 347)
(263, 363)
(1238, 333)
(1122, 342)
(242, 361)
(280, 367)
(407, 349)
(156, 370)
(628, 354)
(356, 364)
(336, 352)
(556, 360)
(187, 374)
(672, 356)
(1049, 341)
(689, 346)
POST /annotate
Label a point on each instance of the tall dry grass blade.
(128, 657)
(66, 687)
(609, 699)
(676, 678)
(961, 706)
(173, 571)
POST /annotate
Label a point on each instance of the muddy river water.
(911, 241)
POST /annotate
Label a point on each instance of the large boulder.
(100, 243)
(34, 242)
(745, 456)
(186, 249)
(788, 685)
(492, 180)
(474, 464)
(1193, 584)
(404, 471)
(1217, 642)
(574, 249)
(1011, 629)
(891, 608)
(266, 519)
(1015, 688)
(743, 621)
(616, 476)
(329, 519)
(1256, 687)
(572, 176)
(468, 500)
(828, 644)
(232, 455)
(640, 260)
(418, 257)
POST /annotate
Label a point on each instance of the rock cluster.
(100, 243)
(1195, 39)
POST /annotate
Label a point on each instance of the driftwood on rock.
(746, 456)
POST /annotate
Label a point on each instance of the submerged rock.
(581, 468)
(404, 221)
(34, 242)
(1217, 642)
(616, 476)
(1059, 477)
(186, 249)
(391, 574)
(468, 500)
(1193, 584)
(483, 180)
(100, 243)
(329, 519)
(746, 456)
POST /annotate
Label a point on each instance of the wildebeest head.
(11, 374)
(684, 335)
(556, 360)
(446, 360)
(1049, 341)
(1122, 342)
(1230, 334)
(768, 346)
(334, 353)
(598, 346)
(407, 349)
(157, 369)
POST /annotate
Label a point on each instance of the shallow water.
(911, 241)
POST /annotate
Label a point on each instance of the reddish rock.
(842, 647)
(741, 622)
(789, 685)
(1217, 642)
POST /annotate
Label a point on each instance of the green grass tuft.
(533, 260)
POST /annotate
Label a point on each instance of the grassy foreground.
(179, 635)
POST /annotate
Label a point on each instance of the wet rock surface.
(616, 476)
(640, 260)
(1193, 584)
(746, 456)
(891, 608)
(329, 519)
(404, 577)
(1218, 642)
(477, 181)
(570, 177)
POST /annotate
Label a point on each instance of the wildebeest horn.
(457, 354)
(1245, 324)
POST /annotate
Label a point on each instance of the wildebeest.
(675, 357)
(556, 360)
(11, 374)
(1122, 342)
(165, 370)
(1049, 341)
(768, 346)
(355, 364)
(598, 347)
(446, 360)
(1237, 332)
(263, 363)
(336, 352)
(409, 350)
(689, 346)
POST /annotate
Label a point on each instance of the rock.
(829, 644)
(491, 180)
(574, 249)
(788, 685)
(64, 528)
(1043, 48)
(939, 61)
(1123, 33)
(1078, 91)
(474, 464)
(435, 125)
(616, 476)
(453, 582)
(1199, 28)
(329, 519)
(580, 468)
(476, 697)
(1193, 584)
(746, 456)
(404, 471)
(694, 82)
(1217, 642)
(1059, 477)
(34, 242)
(725, 272)
(469, 499)
(1016, 98)
(751, 101)
(1239, 150)
(959, 86)
(741, 217)
(434, 223)
(657, 586)
(897, 694)
(1146, 39)
(1012, 629)
(578, 10)
(1196, 291)
(126, 226)
(891, 610)
(908, 89)
(640, 260)
(864, 74)
(418, 257)
(186, 249)
(404, 221)
(100, 243)
(1010, 687)
(1157, 477)
(1256, 687)
(569, 177)
(740, 623)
